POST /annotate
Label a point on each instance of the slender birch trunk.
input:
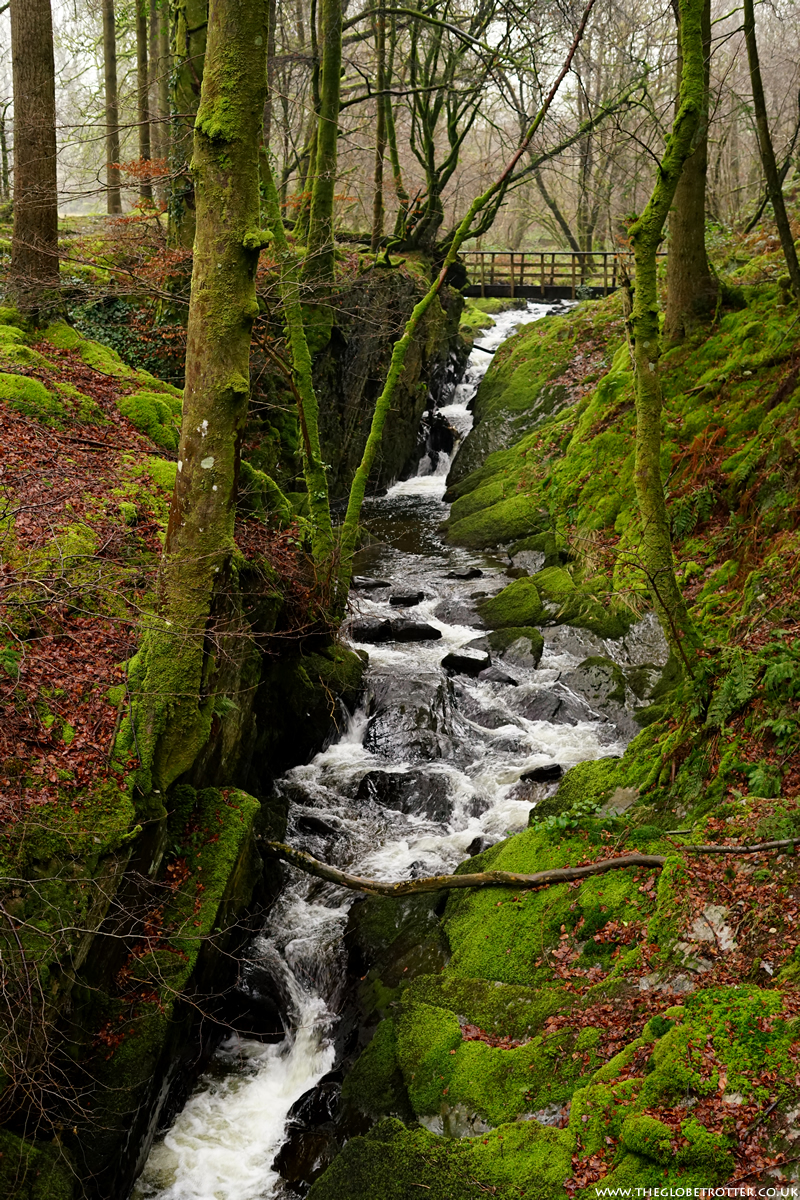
(646, 233)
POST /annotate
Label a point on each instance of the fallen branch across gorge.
(436, 883)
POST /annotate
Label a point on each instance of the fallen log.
(510, 879)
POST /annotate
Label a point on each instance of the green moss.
(101, 358)
(11, 335)
(517, 605)
(505, 521)
(155, 415)
(162, 472)
(425, 1037)
(501, 639)
(34, 1170)
(375, 1084)
(394, 1163)
(553, 583)
(31, 398)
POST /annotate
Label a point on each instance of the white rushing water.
(222, 1145)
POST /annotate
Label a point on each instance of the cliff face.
(639, 1029)
(349, 373)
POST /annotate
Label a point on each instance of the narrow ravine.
(430, 769)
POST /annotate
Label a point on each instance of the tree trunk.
(190, 34)
(143, 94)
(154, 71)
(380, 130)
(692, 289)
(174, 710)
(164, 72)
(767, 151)
(5, 181)
(319, 265)
(656, 547)
(272, 17)
(113, 196)
(34, 248)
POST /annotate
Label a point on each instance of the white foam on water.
(223, 1143)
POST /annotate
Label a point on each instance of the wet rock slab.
(379, 631)
(418, 793)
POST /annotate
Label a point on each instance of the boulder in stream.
(547, 774)
(365, 583)
(418, 793)
(497, 675)
(405, 599)
(466, 661)
(372, 631)
(414, 631)
(465, 573)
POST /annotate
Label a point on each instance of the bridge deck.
(546, 274)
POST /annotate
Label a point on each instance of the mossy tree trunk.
(190, 32)
(656, 545)
(34, 248)
(113, 194)
(767, 151)
(174, 710)
(319, 264)
(692, 289)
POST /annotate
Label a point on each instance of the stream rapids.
(428, 770)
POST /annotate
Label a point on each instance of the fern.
(736, 688)
(692, 510)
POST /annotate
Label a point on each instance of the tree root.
(436, 883)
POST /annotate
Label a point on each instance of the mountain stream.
(429, 769)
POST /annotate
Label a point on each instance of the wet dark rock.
(548, 774)
(418, 793)
(315, 825)
(417, 869)
(459, 612)
(466, 661)
(364, 583)
(496, 675)
(371, 631)
(556, 706)
(375, 631)
(406, 599)
(602, 683)
(478, 845)
(304, 1156)
(413, 718)
(465, 573)
(414, 631)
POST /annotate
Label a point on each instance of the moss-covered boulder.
(517, 605)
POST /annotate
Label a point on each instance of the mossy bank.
(640, 1029)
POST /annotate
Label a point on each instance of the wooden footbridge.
(542, 274)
